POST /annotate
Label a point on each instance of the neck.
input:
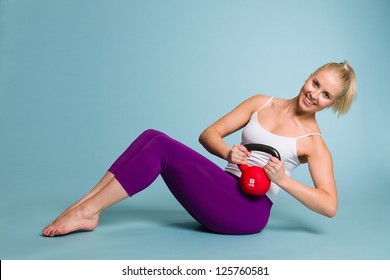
(293, 110)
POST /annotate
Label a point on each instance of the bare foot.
(67, 210)
(74, 219)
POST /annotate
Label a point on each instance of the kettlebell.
(253, 179)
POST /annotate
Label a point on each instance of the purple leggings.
(209, 194)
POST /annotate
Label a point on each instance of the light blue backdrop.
(79, 80)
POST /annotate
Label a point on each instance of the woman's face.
(320, 91)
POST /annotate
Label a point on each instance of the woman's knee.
(148, 135)
(151, 133)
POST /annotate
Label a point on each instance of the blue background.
(79, 80)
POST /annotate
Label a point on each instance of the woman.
(212, 195)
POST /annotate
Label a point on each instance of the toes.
(45, 231)
(46, 227)
(55, 232)
(48, 230)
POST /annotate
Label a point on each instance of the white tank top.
(253, 132)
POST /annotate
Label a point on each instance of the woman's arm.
(321, 199)
(212, 137)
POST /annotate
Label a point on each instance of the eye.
(315, 83)
(327, 95)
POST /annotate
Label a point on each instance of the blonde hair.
(347, 76)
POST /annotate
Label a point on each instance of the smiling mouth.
(309, 101)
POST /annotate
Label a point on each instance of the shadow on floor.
(182, 220)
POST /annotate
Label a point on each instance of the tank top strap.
(309, 134)
(265, 104)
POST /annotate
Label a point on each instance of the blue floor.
(153, 225)
(79, 80)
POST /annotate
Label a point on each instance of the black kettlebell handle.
(263, 148)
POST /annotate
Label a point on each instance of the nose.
(315, 94)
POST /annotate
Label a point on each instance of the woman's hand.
(274, 169)
(238, 154)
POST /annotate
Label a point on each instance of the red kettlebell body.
(253, 180)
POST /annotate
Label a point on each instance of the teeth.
(308, 100)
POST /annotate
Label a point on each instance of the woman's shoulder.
(277, 103)
(312, 144)
(260, 97)
(259, 100)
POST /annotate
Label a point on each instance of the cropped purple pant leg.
(209, 194)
